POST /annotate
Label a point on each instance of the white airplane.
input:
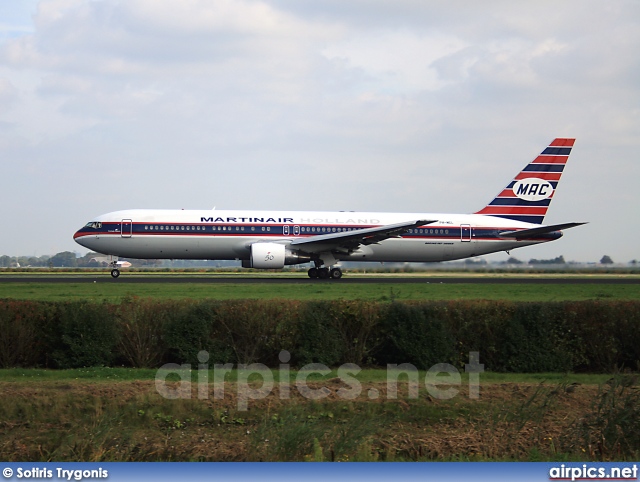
(273, 239)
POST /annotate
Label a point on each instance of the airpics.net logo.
(533, 189)
(591, 472)
(441, 381)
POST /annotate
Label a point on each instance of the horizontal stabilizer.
(526, 233)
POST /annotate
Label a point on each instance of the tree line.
(65, 259)
(69, 259)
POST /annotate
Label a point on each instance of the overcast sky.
(397, 105)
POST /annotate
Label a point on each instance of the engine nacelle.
(268, 255)
(273, 256)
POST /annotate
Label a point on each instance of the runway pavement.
(356, 279)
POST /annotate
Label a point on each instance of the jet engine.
(273, 256)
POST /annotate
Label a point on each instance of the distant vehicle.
(274, 239)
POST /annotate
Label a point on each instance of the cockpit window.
(94, 225)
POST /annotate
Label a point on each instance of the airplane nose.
(82, 238)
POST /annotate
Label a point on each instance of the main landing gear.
(325, 273)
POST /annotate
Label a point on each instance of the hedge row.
(593, 336)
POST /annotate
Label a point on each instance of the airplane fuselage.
(229, 235)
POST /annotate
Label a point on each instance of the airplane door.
(287, 230)
(126, 228)
(465, 233)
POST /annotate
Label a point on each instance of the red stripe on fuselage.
(508, 210)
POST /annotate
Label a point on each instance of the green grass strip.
(114, 291)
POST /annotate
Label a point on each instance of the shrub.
(536, 339)
(357, 323)
(417, 334)
(188, 330)
(257, 330)
(318, 341)
(21, 324)
(141, 330)
(596, 323)
(337, 332)
(476, 326)
(83, 335)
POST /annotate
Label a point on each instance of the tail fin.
(528, 196)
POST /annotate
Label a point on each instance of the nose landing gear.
(115, 265)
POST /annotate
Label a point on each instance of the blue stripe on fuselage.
(446, 233)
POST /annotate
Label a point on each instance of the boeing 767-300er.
(273, 239)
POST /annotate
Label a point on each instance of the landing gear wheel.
(115, 273)
(313, 273)
(335, 273)
(323, 273)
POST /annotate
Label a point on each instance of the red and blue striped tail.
(528, 196)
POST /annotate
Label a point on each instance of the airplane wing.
(348, 241)
(527, 233)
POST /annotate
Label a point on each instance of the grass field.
(86, 415)
(102, 374)
(114, 291)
